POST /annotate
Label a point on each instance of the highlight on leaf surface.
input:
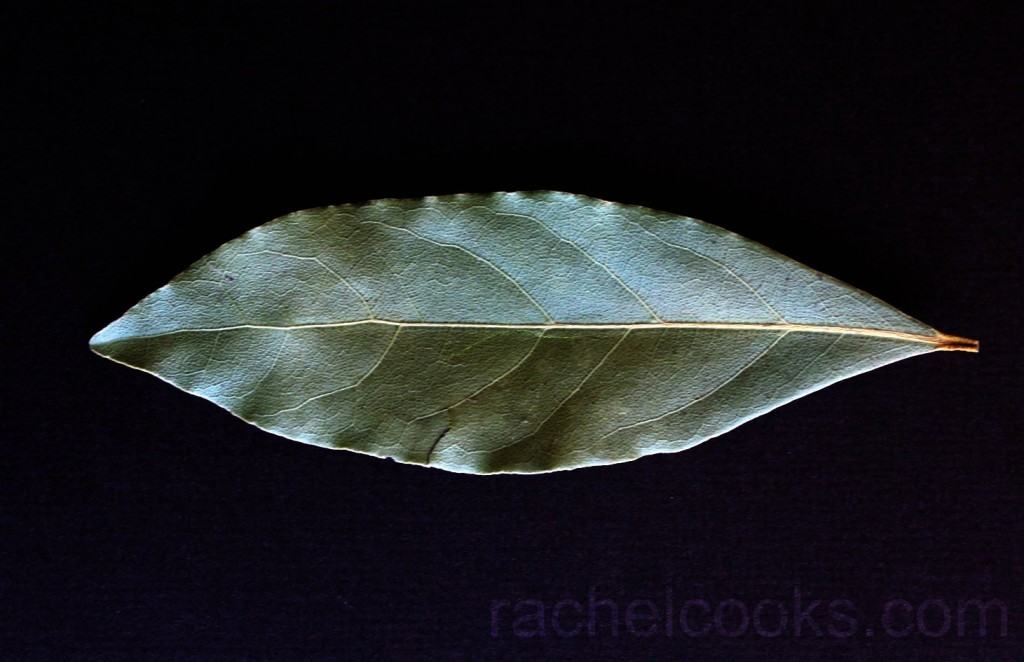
(505, 332)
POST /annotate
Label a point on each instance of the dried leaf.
(509, 332)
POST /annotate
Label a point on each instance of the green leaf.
(508, 332)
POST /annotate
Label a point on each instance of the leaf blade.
(504, 333)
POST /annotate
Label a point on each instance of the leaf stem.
(956, 344)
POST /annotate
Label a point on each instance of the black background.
(879, 145)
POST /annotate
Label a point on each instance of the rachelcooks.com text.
(799, 614)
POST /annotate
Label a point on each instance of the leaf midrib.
(939, 340)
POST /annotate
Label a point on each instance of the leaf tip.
(99, 339)
(95, 342)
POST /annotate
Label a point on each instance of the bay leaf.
(505, 332)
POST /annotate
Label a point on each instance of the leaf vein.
(587, 255)
(704, 396)
(263, 378)
(719, 264)
(362, 300)
(366, 375)
(566, 399)
(480, 258)
(493, 382)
